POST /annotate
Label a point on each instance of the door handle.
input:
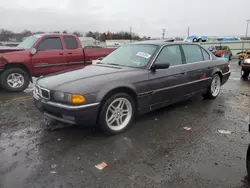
(70, 53)
(60, 53)
(184, 73)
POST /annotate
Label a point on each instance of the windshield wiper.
(113, 64)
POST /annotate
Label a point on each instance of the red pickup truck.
(43, 54)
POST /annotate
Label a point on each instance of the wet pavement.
(156, 152)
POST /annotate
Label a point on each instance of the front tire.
(117, 114)
(214, 89)
(14, 79)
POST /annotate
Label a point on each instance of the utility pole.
(188, 31)
(130, 34)
(163, 33)
(247, 27)
(246, 33)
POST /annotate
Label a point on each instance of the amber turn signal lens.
(77, 99)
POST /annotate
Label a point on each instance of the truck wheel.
(14, 79)
(117, 114)
(244, 74)
(214, 89)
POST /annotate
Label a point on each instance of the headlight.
(247, 61)
(69, 98)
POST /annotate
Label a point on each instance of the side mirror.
(100, 58)
(160, 66)
(33, 51)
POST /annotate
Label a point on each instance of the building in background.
(118, 42)
(89, 41)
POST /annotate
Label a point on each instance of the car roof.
(161, 42)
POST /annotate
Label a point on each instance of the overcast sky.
(146, 17)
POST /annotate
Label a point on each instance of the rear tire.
(14, 79)
(244, 74)
(117, 114)
(214, 89)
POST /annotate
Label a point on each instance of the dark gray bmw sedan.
(134, 79)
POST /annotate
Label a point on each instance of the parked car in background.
(134, 79)
(220, 50)
(195, 38)
(230, 39)
(43, 54)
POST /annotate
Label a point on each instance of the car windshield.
(133, 55)
(28, 42)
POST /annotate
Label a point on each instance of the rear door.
(50, 56)
(167, 85)
(197, 65)
(73, 52)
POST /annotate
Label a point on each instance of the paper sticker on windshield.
(144, 55)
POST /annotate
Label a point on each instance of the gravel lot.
(156, 152)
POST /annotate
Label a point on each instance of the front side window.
(51, 43)
(70, 42)
(192, 53)
(170, 54)
(131, 55)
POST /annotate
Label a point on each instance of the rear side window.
(50, 43)
(205, 54)
(192, 53)
(70, 42)
(170, 54)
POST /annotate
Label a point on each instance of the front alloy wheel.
(14, 79)
(117, 113)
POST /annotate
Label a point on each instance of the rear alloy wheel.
(117, 114)
(244, 74)
(14, 79)
(214, 88)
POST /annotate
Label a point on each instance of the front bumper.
(81, 115)
(225, 77)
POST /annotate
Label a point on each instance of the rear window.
(71, 42)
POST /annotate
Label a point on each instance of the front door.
(50, 57)
(167, 85)
(197, 66)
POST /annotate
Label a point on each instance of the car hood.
(7, 49)
(86, 77)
